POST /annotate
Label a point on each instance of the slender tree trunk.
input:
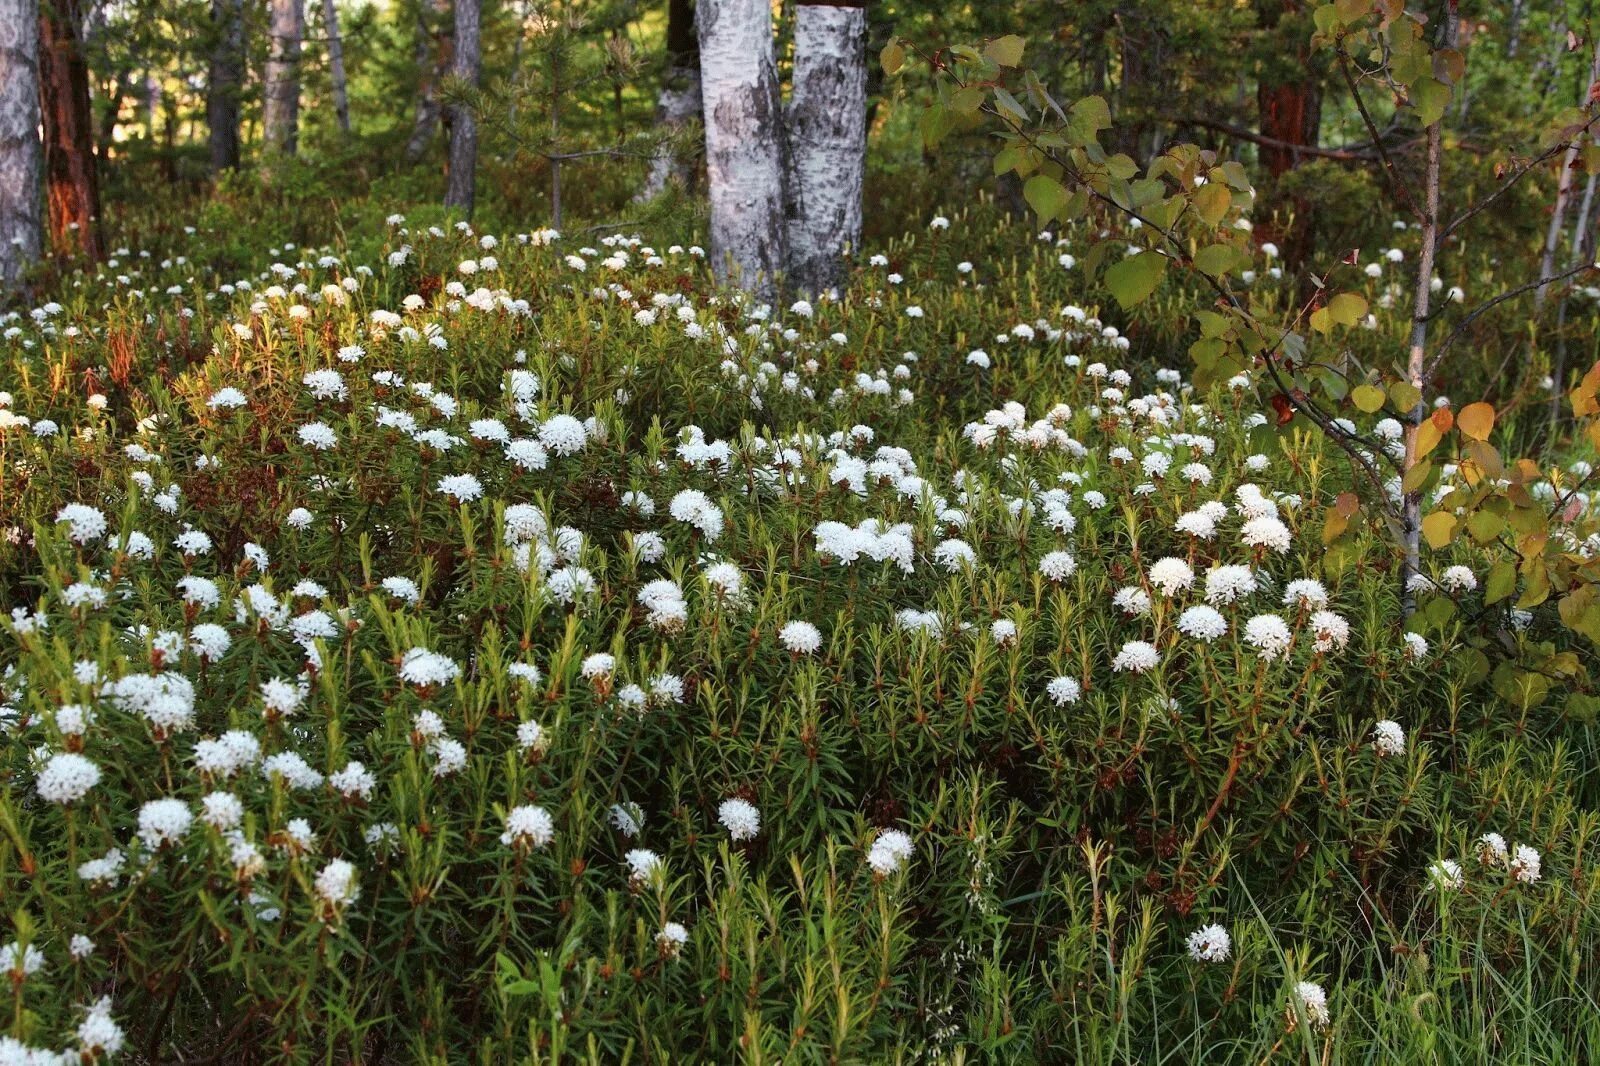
(1416, 357)
(72, 186)
(226, 75)
(286, 26)
(743, 119)
(463, 121)
(1558, 213)
(1514, 29)
(20, 154)
(434, 56)
(827, 127)
(677, 106)
(341, 96)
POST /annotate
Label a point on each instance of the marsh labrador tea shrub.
(514, 649)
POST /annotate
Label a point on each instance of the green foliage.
(1064, 844)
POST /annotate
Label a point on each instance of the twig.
(1488, 305)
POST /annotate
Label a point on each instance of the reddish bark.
(72, 187)
(1289, 113)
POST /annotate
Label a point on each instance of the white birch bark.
(827, 126)
(21, 155)
(1558, 214)
(463, 120)
(341, 93)
(286, 23)
(743, 119)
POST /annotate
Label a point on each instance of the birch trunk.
(20, 154)
(281, 111)
(744, 166)
(827, 127)
(677, 106)
(72, 185)
(1416, 358)
(1558, 214)
(463, 120)
(434, 57)
(341, 95)
(223, 81)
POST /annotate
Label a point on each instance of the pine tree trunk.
(434, 56)
(341, 95)
(20, 155)
(744, 166)
(281, 109)
(678, 105)
(72, 187)
(463, 121)
(827, 127)
(1289, 109)
(226, 75)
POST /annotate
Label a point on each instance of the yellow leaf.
(1476, 420)
(1368, 398)
(1438, 528)
(1428, 438)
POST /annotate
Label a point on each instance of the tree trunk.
(223, 82)
(463, 120)
(677, 106)
(20, 162)
(1416, 357)
(744, 165)
(341, 96)
(281, 109)
(1558, 213)
(72, 186)
(434, 56)
(1289, 110)
(827, 127)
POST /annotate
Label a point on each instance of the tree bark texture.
(435, 56)
(286, 26)
(341, 94)
(20, 155)
(743, 119)
(72, 186)
(223, 83)
(463, 121)
(827, 128)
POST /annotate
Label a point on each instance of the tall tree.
(827, 142)
(463, 120)
(739, 89)
(19, 138)
(1289, 105)
(677, 105)
(223, 81)
(434, 58)
(286, 25)
(72, 186)
(341, 95)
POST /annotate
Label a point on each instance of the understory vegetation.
(512, 647)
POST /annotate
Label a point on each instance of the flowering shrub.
(515, 645)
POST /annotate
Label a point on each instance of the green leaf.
(1215, 259)
(1501, 583)
(1368, 398)
(968, 100)
(893, 56)
(1347, 308)
(1430, 97)
(1211, 202)
(1005, 51)
(1135, 277)
(1045, 195)
(1404, 395)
